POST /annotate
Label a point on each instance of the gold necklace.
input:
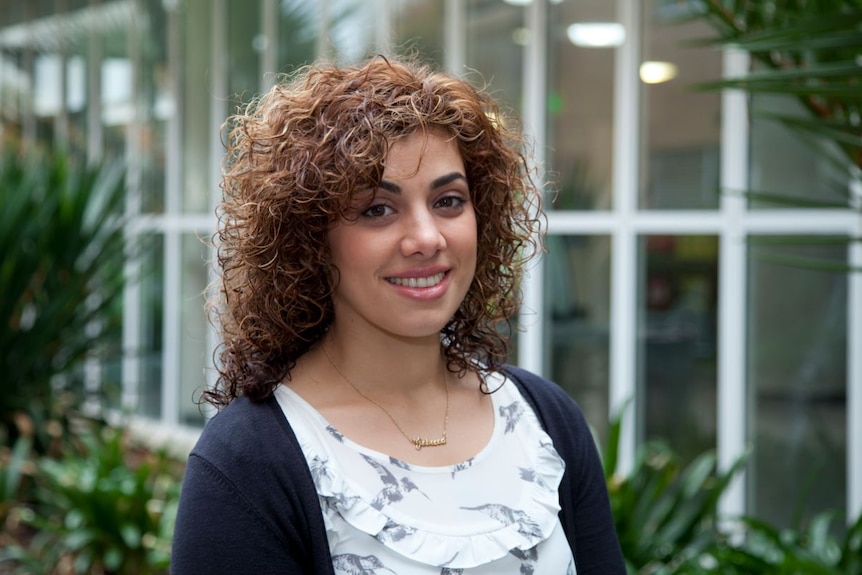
(419, 442)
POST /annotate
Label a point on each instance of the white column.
(733, 405)
(531, 318)
(131, 370)
(854, 377)
(455, 35)
(172, 283)
(623, 360)
(269, 53)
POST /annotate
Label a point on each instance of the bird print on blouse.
(400, 464)
(339, 500)
(527, 558)
(508, 516)
(393, 489)
(350, 564)
(533, 476)
(339, 437)
(461, 466)
(393, 532)
(512, 414)
(319, 469)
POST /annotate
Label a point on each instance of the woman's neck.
(386, 365)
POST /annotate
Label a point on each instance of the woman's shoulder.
(557, 411)
(538, 388)
(245, 431)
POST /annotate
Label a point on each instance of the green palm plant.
(668, 522)
(666, 513)
(808, 52)
(61, 278)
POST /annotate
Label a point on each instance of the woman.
(374, 227)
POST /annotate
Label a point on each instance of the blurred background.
(698, 288)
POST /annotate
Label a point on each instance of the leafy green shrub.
(667, 520)
(94, 512)
(812, 550)
(61, 276)
(665, 513)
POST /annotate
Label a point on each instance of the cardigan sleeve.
(247, 502)
(585, 505)
(218, 531)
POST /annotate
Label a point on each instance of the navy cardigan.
(248, 502)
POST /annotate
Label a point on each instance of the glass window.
(496, 35)
(580, 102)
(784, 162)
(577, 308)
(677, 323)
(76, 104)
(797, 374)
(245, 41)
(299, 22)
(682, 127)
(151, 285)
(116, 81)
(352, 27)
(193, 338)
(155, 101)
(419, 29)
(197, 104)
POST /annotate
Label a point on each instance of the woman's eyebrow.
(447, 179)
(436, 183)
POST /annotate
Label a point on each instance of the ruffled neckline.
(477, 531)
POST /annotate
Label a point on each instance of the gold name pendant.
(421, 442)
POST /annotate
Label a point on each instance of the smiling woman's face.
(407, 256)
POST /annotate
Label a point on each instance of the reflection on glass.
(495, 39)
(419, 29)
(784, 162)
(797, 372)
(682, 127)
(677, 322)
(580, 102)
(577, 308)
(151, 286)
(193, 338)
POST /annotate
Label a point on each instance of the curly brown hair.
(295, 158)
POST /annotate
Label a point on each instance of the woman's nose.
(422, 235)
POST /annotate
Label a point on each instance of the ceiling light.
(596, 34)
(658, 72)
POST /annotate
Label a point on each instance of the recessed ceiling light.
(658, 72)
(596, 34)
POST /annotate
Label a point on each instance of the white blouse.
(495, 513)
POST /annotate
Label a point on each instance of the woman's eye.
(377, 211)
(451, 202)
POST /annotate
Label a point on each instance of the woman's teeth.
(417, 282)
